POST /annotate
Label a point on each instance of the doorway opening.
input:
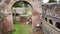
(22, 18)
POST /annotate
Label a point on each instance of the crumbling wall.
(7, 9)
(50, 17)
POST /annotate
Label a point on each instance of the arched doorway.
(35, 18)
(22, 13)
(22, 9)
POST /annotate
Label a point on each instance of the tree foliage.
(52, 1)
(21, 4)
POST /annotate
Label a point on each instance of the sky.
(45, 1)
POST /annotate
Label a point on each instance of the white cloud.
(45, 1)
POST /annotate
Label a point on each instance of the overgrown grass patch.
(18, 29)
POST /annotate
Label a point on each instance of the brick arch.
(9, 16)
(21, 1)
(35, 12)
(14, 1)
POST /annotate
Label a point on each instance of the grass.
(18, 29)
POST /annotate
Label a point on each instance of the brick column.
(7, 24)
(35, 20)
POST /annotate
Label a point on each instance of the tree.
(21, 4)
(52, 1)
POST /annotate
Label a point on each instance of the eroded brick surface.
(6, 8)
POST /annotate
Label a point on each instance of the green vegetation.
(18, 29)
(28, 12)
(53, 1)
(21, 4)
(16, 22)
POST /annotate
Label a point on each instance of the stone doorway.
(22, 12)
(7, 5)
(22, 17)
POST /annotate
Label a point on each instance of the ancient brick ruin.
(46, 14)
(6, 10)
(51, 18)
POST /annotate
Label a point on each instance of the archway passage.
(22, 9)
(7, 6)
(22, 18)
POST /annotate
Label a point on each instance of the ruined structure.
(6, 8)
(51, 18)
(46, 14)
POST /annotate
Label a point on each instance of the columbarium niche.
(57, 25)
(50, 21)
